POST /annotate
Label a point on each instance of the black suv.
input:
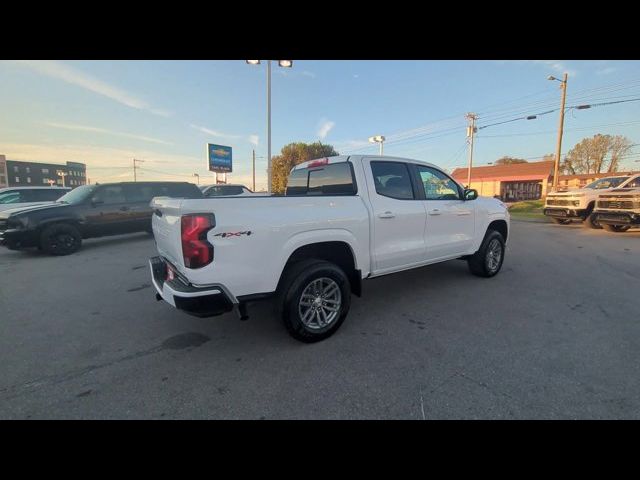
(85, 212)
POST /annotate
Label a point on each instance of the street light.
(198, 176)
(378, 139)
(284, 64)
(563, 86)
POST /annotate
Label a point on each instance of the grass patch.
(528, 209)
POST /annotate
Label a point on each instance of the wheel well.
(499, 226)
(338, 253)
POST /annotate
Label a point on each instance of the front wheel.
(591, 222)
(60, 239)
(615, 228)
(487, 261)
(315, 298)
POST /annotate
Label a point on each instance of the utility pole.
(135, 177)
(471, 130)
(254, 170)
(563, 86)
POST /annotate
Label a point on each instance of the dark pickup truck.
(86, 212)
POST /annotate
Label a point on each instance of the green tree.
(509, 161)
(293, 154)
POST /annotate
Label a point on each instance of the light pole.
(471, 131)
(563, 86)
(378, 139)
(281, 63)
(197, 176)
(62, 174)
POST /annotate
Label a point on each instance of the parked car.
(618, 210)
(343, 219)
(85, 212)
(225, 190)
(563, 207)
(16, 197)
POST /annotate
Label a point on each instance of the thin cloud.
(73, 76)
(607, 71)
(87, 128)
(252, 139)
(324, 128)
(556, 65)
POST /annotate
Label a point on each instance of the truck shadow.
(88, 245)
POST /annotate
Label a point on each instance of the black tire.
(615, 228)
(561, 221)
(481, 262)
(591, 222)
(60, 239)
(297, 278)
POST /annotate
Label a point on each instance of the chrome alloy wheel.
(494, 255)
(320, 303)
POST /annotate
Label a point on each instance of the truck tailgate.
(167, 229)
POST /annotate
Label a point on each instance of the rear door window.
(110, 194)
(139, 193)
(392, 179)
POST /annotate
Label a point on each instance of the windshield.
(9, 197)
(78, 195)
(610, 182)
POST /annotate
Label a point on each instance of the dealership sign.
(219, 157)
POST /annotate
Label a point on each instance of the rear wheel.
(60, 239)
(561, 221)
(487, 261)
(615, 228)
(315, 297)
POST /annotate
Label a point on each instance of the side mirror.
(95, 201)
(470, 194)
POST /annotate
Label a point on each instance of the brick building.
(522, 181)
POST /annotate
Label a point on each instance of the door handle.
(386, 214)
(435, 211)
(464, 212)
(124, 208)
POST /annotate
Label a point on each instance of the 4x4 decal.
(232, 234)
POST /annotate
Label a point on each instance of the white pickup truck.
(343, 219)
(579, 204)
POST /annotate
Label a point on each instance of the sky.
(105, 113)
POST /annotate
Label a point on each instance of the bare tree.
(620, 146)
(592, 155)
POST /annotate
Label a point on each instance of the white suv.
(563, 207)
(619, 210)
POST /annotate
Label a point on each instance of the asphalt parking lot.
(555, 335)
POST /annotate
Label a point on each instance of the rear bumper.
(206, 301)
(16, 239)
(563, 212)
(618, 218)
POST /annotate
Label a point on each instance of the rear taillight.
(196, 250)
